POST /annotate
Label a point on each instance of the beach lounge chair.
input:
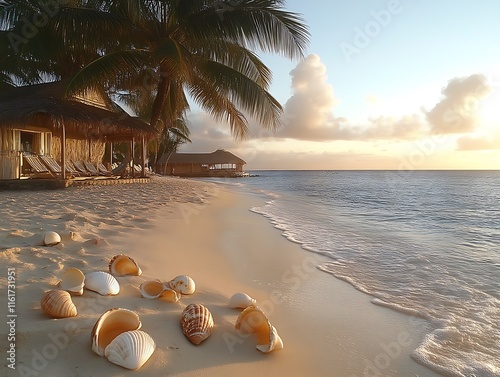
(72, 170)
(121, 169)
(103, 169)
(80, 167)
(91, 168)
(51, 164)
(37, 168)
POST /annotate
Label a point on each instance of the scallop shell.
(73, 280)
(130, 349)
(152, 289)
(51, 238)
(58, 304)
(111, 324)
(196, 323)
(121, 265)
(252, 320)
(102, 283)
(182, 284)
(241, 301)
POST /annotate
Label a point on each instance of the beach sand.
(171, 227)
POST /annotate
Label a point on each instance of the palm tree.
(203, 49)
(160, 52)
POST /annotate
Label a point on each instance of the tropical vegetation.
(155, 56)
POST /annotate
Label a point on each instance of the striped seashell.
(102, 283)
(196, 323)
(252, 320)
(121, 265)
(58, 304)
(182, 284)
(72, 281)
(130, 349)
(241, 301)
(111, 324)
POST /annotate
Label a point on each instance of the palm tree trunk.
(159, 102)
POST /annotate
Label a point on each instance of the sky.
(384, 84)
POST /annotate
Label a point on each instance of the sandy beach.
(205, 230)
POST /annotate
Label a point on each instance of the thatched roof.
(220, 156)
(43, 106)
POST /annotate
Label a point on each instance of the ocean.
(426, 243)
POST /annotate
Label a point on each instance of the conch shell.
(121, 265)
(241, 301)
(197, 323)
(72, 281)
(51, 238)
(130, 349)
(111, 324)
(58, 304)
(252, 320)
(182, 284)
(155, 288)
(102, 283)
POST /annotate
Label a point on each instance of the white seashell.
(73, 280)
(252, 320)
(102, 283)
(152, 289)
(182, 284)
(130, 349)
(51, 238)
(58, 304)
(241, 301)
(197, 323)
(111, 324)
(121, 265)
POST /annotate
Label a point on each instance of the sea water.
(426, 243)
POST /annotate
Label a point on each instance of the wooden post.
(132, 145)
(63, 152)
(143, 157)
(90, 150)
(110, 155)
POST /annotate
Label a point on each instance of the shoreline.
(226, 248)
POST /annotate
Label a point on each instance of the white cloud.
(457, 111)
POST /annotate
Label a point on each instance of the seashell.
(182, 284)
(252, 320)
(121, 265)
(51, 238)
(152, 289)
(111, 324)
(102, 283)
(197, 323)
(58, 304)
(73, 280)
(130, 349)
(241, 301)
(170, 295)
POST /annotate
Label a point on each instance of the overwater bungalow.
(220, 163)
(40, 120)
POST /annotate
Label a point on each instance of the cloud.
(207, 135)
(308, 114)
(457, 111)
(475, 143)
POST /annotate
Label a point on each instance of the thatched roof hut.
(220, 163)
(46, 111)
(44, 106)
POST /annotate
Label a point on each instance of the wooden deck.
(54, 184)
